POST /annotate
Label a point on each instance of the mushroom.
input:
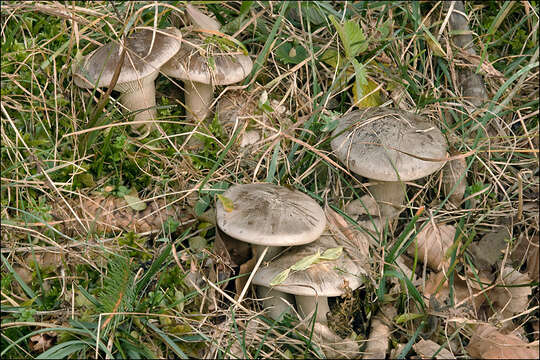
(377, 143)
(270, 216)
(312, 286)
(200, 20)
(201, 67)
(146, 52)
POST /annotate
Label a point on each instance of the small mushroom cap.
(99, 66)
(189, 65)
(271, 215)
(201, 20)
(364, 139)
(326, 278)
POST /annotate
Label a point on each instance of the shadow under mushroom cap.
(368, 139)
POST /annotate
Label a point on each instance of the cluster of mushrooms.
(284, 226)
(387, 146)
(201, 65)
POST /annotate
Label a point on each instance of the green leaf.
(289, 53)
(197, 243)
(332, 253)
(306, 262)
(355, 37)
(370, 101)
(329, 122)
(352, 37)
(226, 202)
(407, 317)
(133, 200)
(280, 278)
(201, 205)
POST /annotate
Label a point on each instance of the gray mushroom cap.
(224, 69)
(270, 215)
(99, 66)
(365, 139)
(326, 278)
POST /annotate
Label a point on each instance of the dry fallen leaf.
(452, 172)
(533, 267)
(379, 335)
(426, 349)
(511, 300)
(488, 251)
(108, 214)
(245, 268)
(461, 291)
(433, 242)
(488, 343)
(42, 342)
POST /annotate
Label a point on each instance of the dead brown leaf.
(487, 252)
(512, 300)
(426, 348)
(432, 244)
(452, 172)
(461, 290)
(488, 343)
(379, 336)
(245, 268)
(533, 267)
(356, 241)
(42, 342)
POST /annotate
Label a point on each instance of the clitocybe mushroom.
(268, 215)
(146, 52)
(314, 285)
(201, 67)
(375, 143)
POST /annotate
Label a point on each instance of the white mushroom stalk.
(140, 97)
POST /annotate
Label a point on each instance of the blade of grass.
(261, 59)
(167, 339)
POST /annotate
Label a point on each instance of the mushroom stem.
(307, 305)
(390, 195)
(139, 95)
(274, 301)
(270, 253)
(199, 97)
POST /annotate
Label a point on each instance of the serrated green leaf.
(86, 179)
(227, 203)
(332, 253)
(280, 278)
(306, 262)
(132, 198)
(355, 38)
